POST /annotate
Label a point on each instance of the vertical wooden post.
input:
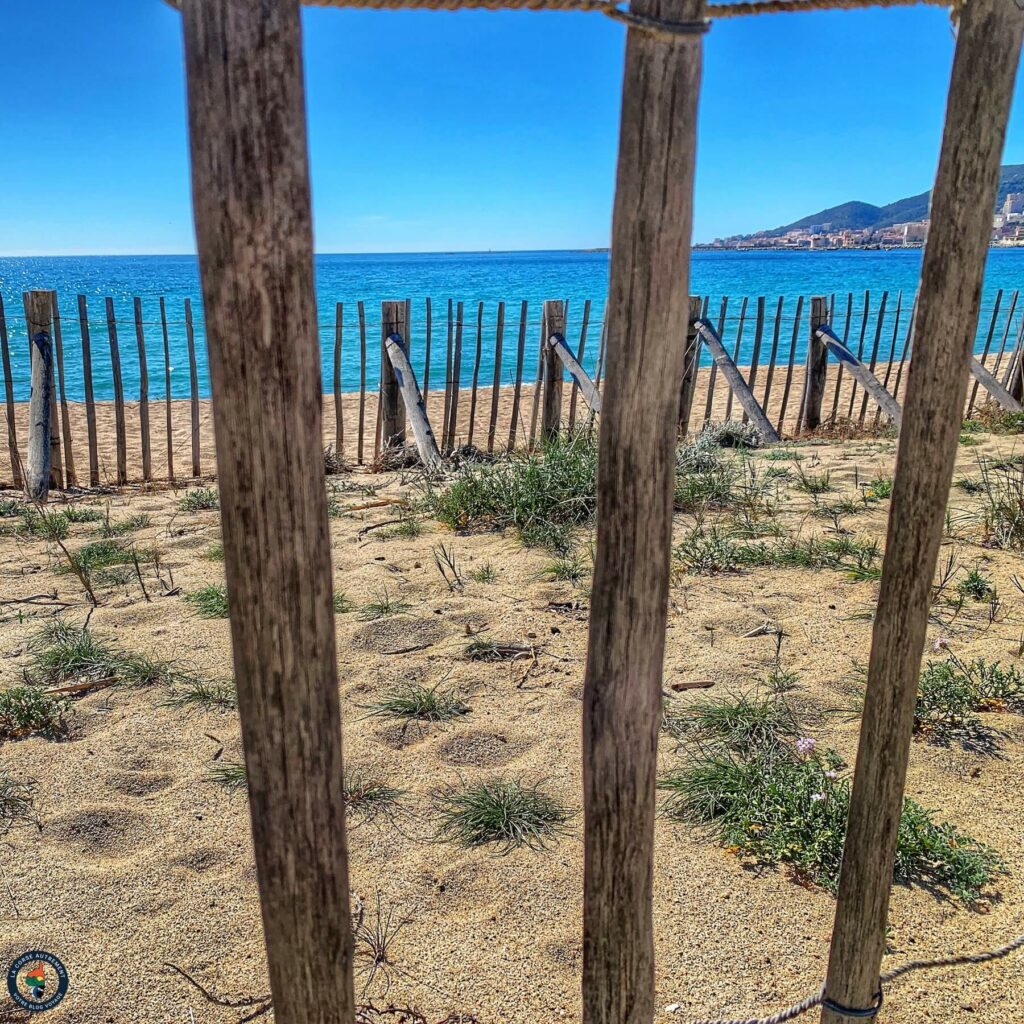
(361, 310)
(339, 421)
(981, 87)
(12, 431)
(90, 401)
(713, 375)
(736, 352)
(140, 340)
(167, 390)
(56, 466)
(839, 368)
(776, 331)
(789, 368)
(575, 390)
(691, 359)
(892, 350)
(250, 188)
(499, 338)
(516, 394)
(193, 384)
(65, 413)
(988, 345)
(40, 421)
(392, 415)
(817, 365)
(453, 410)
(554, 323)
(476, 372)
(874, 353)
(648, 302)
(426, 356)
(860, 350)
(115, 372)
(755, 355)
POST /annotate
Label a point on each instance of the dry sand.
(142, 860)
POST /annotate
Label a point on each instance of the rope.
(618, 12)
(818, 998)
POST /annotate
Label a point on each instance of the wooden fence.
(481, 370)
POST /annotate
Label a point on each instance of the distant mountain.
(856, 216)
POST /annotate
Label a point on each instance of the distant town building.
(1014, 203)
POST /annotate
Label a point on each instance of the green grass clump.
(124, 526)
(200, 499)
(103, 554)
(230, 775)
(408, 529)
(342, 604)
(412, 701)
(46, 525)
(975, 585)
(1003, 487)
(210, 602)
(503, 812)
(82, 514)
(28, 711)
(16, 803)
(880, 488)
(215, 552)
(952, 692)
(813, 483)
(62, 652)
(733, 434)
(10, 507)
(194, 693)
(383, 606)
(970, 485)
(740, 723)
(485, 574)
(785, 802)
(544, 495)
(368, 799)
(570, 568)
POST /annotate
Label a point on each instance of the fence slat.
(892, 350)
(65, 413)
(907, 343)
(168, 407)
(988, 344)
(860, 350)
(453, 412)
(392, 417)
(12, 430)
(839, 369)
(361, 310)
(789, 368)
(713, 375)
(774, 353)
(38, 324)
(520, 353)
(90, 400)
(755, 356)
(339, 417)
(193, 383)
(56, 463)
(426, 357)
(579, 359)
(736, 354)
(981, 87)
(499, 333)
(140, 338)
(874, 354)
(476, 372)
(1006, 331)
(445, 446)
(115, 370)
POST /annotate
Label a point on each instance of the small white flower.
(832, 774)
(805, 746)
(940, 643)
(817, 797)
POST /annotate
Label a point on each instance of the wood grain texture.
(579, 359)
(476, 373)
(392, 416)
(412, 401)
(984, 66)
(553, 325)
(517, 389)
(250, 187)
(339, 418)
(874, 352)
(817, 366)
(581, 379)
(691, 360)
(993, 387)
(12, 431)
(648, 301)
(168, 407)
(499, 340)
(40, 420)
(34, 308)
(193, 384)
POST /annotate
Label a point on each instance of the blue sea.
(473, 278)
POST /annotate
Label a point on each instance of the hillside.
(857, 215)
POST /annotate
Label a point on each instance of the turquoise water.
(471, 278)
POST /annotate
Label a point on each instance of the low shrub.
(200, 499)
(210, 602)
(29, 711)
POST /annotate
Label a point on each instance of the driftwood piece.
(580, 376)
(415, 412)
(250, 187)
(981, 87)
(993, 387)
(871, 384)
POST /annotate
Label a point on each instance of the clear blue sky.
(468, 130)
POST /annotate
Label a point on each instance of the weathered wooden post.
(817, 365)
(648, 302)
(690, 363)
(554, 323)
(65, 413)
(38, 319)
(250, 189)
(140, 341)
(981, 87)
(12, 431)
(56, 466)
(90, 401)
(392, 321)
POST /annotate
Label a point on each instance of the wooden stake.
(250, 187)
(12, 431)
(691, 360)
(65, 413)
(392, 417)
(579, 359)
(476, 372)
(874, 353)
(713, 375)
(817, 365)
(115, 372)
(167, 390)
(648, 302)
(56, 463)
(193, 383)
(339, 420)
(984, 66)
(554, 372)
(140, 339)
(520, 352)
(90, 401)
(988, 345)
(789, 366)
(361, 310)
(499, 337)
(38, 323)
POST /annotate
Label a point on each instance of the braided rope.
(615, 10)
(817, 998)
